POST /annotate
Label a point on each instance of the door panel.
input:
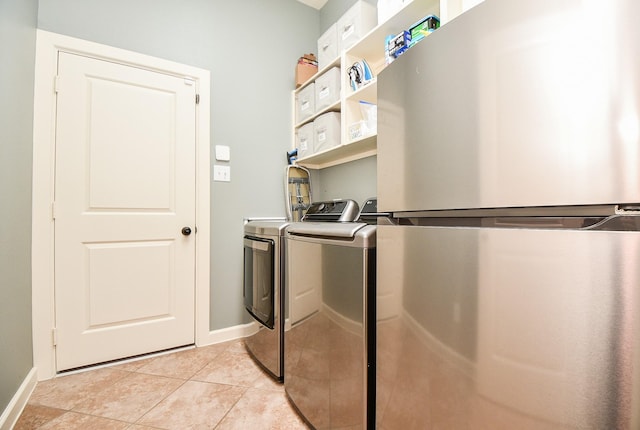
(125, 187)
(143, 130)
(113, 268)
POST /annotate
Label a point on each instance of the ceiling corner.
(317, 4)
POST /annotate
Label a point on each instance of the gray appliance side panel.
(507, 328)
(527, 103)
(267, 345)
(325, 344)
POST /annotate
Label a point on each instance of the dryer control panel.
(343, 210)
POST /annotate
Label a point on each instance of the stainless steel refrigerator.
(509, 278)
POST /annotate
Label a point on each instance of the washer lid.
(340, 210)
(325, 229)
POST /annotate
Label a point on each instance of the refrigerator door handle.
(628, 221)
(618, 223)
(622, 222)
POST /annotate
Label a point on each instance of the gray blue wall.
(17, 58)
(251, 48)
(355, 180)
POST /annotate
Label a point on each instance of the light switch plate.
(223, 153)
(221, 173)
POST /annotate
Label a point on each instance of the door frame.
(42, 255)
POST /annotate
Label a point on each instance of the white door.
(124, 190)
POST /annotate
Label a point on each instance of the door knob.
(186, 231)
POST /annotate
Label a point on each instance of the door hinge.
(197, 99)
(56, 84)
(54, 336)
(53, 211)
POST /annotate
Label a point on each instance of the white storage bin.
(304, 140)
(369, 124)
(326, 131)
(327, 87)
(328, 47)
(305, 102)
(355, 23)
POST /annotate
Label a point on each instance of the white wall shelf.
(368, 93)
(370, 48)
(365, 147)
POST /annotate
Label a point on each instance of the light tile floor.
(215, 387)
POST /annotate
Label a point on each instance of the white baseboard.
(15, 407)
(229, 333)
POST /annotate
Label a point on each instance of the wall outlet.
(221, 173)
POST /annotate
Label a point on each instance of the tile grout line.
(184, 381)
(125, 373)
(232, 406)
(138, 421)
(208, 363)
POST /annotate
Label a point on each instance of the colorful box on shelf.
(423, 28)
(307, 67)
(395, 45)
